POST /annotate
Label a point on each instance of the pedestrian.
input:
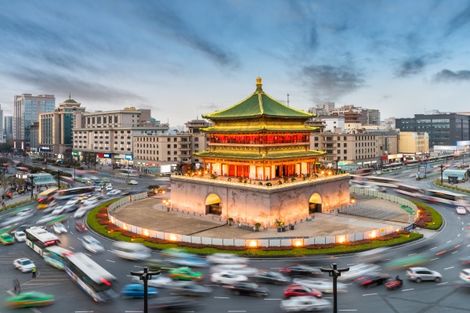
(16, 286)
(33, 271)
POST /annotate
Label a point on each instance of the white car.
(304, 304)
(226, 258)
(59, 228)
(419, 274)
(131, 251)
(358, 270)
(324, 286)
(45, 219)
(26, 212)
(90, 202)
(82, 211)
(461, 210)
(133, 182)
(227, 278)
(240, 269)
(108, 187)
(20, 236)
(114, 192)
(91, 244)
(24, 264)
(58, 210)
(158, 281)
(465, 275)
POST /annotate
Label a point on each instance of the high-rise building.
(444, 129)
(33, 131)
(26, 110)
(55, 129)
(2, 135)
(8, 127)
(198, 137)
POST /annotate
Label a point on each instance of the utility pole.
(58, 179)
(442, 173)
(334, 272)
(31, 177)
(145, 275)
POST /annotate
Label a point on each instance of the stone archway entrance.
(213, 204)
(314, 203)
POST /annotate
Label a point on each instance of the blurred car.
(92, 244)
(70, 207)
(93, 201)
(132, 182)
(373, 255)
(358, 270)
(174, 304)
(58, 210)
(114, 192)
(300, 270)
(158, 265)
(108, 187)
(372, 279)
(6, 239)
(131, 251)
(24, 264)
(29, 299)
(176, 253)
(226, 258)
(296, 290)
(80, 226)
(465, 275)
(227, 278)
(461, 210)
(188, 288)
(158, 281)
(419, 274)
(407, 261)
(447, 248)
(184, 273)
(270, 277)
(240, 269)
(137, 291)
(25, 212)
(248, 289)
(20, 235)
(80, 212)
(324, 286)
(304, 304)
(59, 228)
(192, 261)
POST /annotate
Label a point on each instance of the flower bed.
(428, 217)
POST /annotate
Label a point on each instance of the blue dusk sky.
(185, 58)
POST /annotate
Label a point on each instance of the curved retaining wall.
(253, 243)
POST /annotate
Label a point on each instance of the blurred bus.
(408, 190)
(38, 239)
(364, 171)
(90, 276)
(65, 194)
(45, 197)
(55, 256)
(128, 172)
(445, 197)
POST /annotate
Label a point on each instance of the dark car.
(158, 265)
(80, 226)
(270, 277)
(465, 260)
(447, 248)
(174, 304)
(300, 270)
(248, 289)
(372, 279)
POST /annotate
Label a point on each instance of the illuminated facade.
(258, 167)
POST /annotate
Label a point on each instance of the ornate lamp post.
(334, 272)
(145, 275)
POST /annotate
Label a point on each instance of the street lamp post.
(58, 179)
(31, 177)
(442, 173)
(145, 275)
(334, 272)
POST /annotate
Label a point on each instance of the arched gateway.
(314, 203)
(213, 205)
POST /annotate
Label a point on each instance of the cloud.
(328, 83)
(416, 64)
(458, 21)
(450, 76)
(165, 19)
(56, 83)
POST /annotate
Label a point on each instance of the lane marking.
(408, 289)
(458, 235)
(347, 310)
(434, 259)
(454, 252)
(71, 248)
(236, 311)
(433, 248)
(223, 298)
(448, 268)
(272, 299)
(468, 245)
(350, 264)
(35, 310)
(369, 294)
(112, 261)
(443, 283)
(449, 241)
(463, 229)
(410, 254)
(138, 266)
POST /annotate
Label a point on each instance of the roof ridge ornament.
(259, 84)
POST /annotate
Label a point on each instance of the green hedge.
(93, 223)
(436, 217)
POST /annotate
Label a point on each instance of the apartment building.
(107, 136)
(413, 143)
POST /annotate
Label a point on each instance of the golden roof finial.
(259, 84)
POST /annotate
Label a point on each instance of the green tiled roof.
(256, 156)
(258, 128)
(257, 105)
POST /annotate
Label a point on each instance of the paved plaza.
(150, 214)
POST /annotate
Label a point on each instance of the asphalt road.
(447, 296)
